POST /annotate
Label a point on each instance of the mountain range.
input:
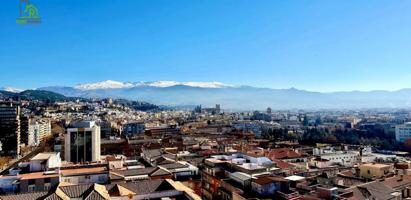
(172, 93)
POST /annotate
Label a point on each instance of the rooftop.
(44, 156)
(80, 171)
(37, 175)
(295, 178)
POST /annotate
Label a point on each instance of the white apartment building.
(348, 158)
(38, 131)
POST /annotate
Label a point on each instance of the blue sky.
(318, 45)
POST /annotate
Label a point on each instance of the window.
(47, 180)
(32, 182)
(368, 171)
(31, 188)
(47, 186)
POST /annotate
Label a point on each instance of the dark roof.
(76, 191)
(164, 161)
(135, 172)
(113, 189)
(160, 172)
(114, 176)
(373, 189)
(173, 166)
(152, 152)
(94, 196)
(148, 186)
(106, 141)
(53, 196)
(170, 156)
(143, 141)
(32, 195)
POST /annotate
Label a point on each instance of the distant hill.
(43, 95)
(40, 95)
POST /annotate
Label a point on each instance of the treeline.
(138, 105)
(379, 137)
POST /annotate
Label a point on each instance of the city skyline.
(309, 45)
(205, 100)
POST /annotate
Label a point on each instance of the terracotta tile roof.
(347, 173)
(282, 164)
(80, 171)
(263, 180)
(397, 182)
(112, 158)
(283, 153)
(36, 175)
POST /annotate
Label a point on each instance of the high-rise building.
(217, 108)
(10, 129)
(403, 132)
(82, 143)
(24, 129)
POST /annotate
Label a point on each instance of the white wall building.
(348, 159)
(45, 161)
(82, 144)
(38, 131)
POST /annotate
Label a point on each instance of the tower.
(82, 143)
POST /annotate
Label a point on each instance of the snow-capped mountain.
(110, 84)
(190, 84)
(233, 97)
(10, 89)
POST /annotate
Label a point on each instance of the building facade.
(403, 132)
(38, 131)
(82, 144)
(10, 129)
(134, 129)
